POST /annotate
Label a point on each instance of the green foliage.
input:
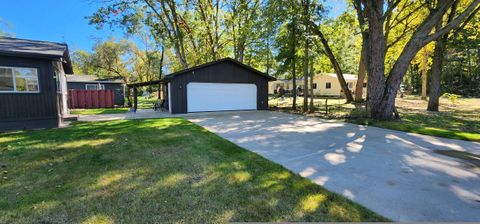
(345, 40)
(99, 111)
(82, 62)
(461, 70)
(452, 97)
(110, 60)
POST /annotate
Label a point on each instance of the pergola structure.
(134, 86)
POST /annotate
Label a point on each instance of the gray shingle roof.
(36, 49)
(90, 78)
(14, 46)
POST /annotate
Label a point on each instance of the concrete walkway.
(396, 174)
(144, 114)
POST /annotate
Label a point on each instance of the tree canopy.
(395, 39)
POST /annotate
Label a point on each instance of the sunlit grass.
(152, 171)
(99, 111)
(312, 202)
(456, 120)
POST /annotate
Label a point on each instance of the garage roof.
(268, 77)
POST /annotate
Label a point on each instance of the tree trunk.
(360, 81)
(382, 92)
(241, 51)
(424, 74)
(375, 63)
(305, 84)
(294, 49)
(311, 107)
(434, 94)
(435, 88)
(306, 59)
(161, 90)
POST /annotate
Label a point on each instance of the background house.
(324, 84)
(91, 82)
(32, 83)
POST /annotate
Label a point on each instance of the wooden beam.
(149, 83)
(135, 101)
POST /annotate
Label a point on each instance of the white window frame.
(98, 86)
(15, 81)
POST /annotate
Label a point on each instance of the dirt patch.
(470, 159)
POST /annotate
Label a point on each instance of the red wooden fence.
(79, 98)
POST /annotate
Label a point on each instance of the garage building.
(221, 85)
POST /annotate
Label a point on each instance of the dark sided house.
(90, 82)
(32, 83)
(221, 85)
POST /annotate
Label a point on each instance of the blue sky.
(64, 20)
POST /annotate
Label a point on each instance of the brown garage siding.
(225, 71)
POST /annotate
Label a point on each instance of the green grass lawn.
(436, 125)
(99, 111)
(456, 120)
(151, 171)
(143, 103)
(146, 103)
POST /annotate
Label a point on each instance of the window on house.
(94, 86)
(364, 85)
(16, 79)
(314, 85)
(350, 85)
(328, 85)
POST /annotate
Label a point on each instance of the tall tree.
(360, 80)
(306, 59)
(333, 60)
(108, 59)
(241, 21)
(293, 55)
(438, 57)
(209, 13)
(311, 72)
(382, 88)
(424, 73)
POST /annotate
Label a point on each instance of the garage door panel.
(221, 96)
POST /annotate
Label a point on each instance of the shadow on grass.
(470, 159)
(155, 170)
(441, 125)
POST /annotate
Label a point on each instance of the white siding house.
(325, 84)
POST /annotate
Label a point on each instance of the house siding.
(223, 72)
(321, 81)
(30, 110)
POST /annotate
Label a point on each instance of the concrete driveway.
(399, 175)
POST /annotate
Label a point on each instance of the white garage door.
(221, 96)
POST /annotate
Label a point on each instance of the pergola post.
(135, 99)
(134, 86)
